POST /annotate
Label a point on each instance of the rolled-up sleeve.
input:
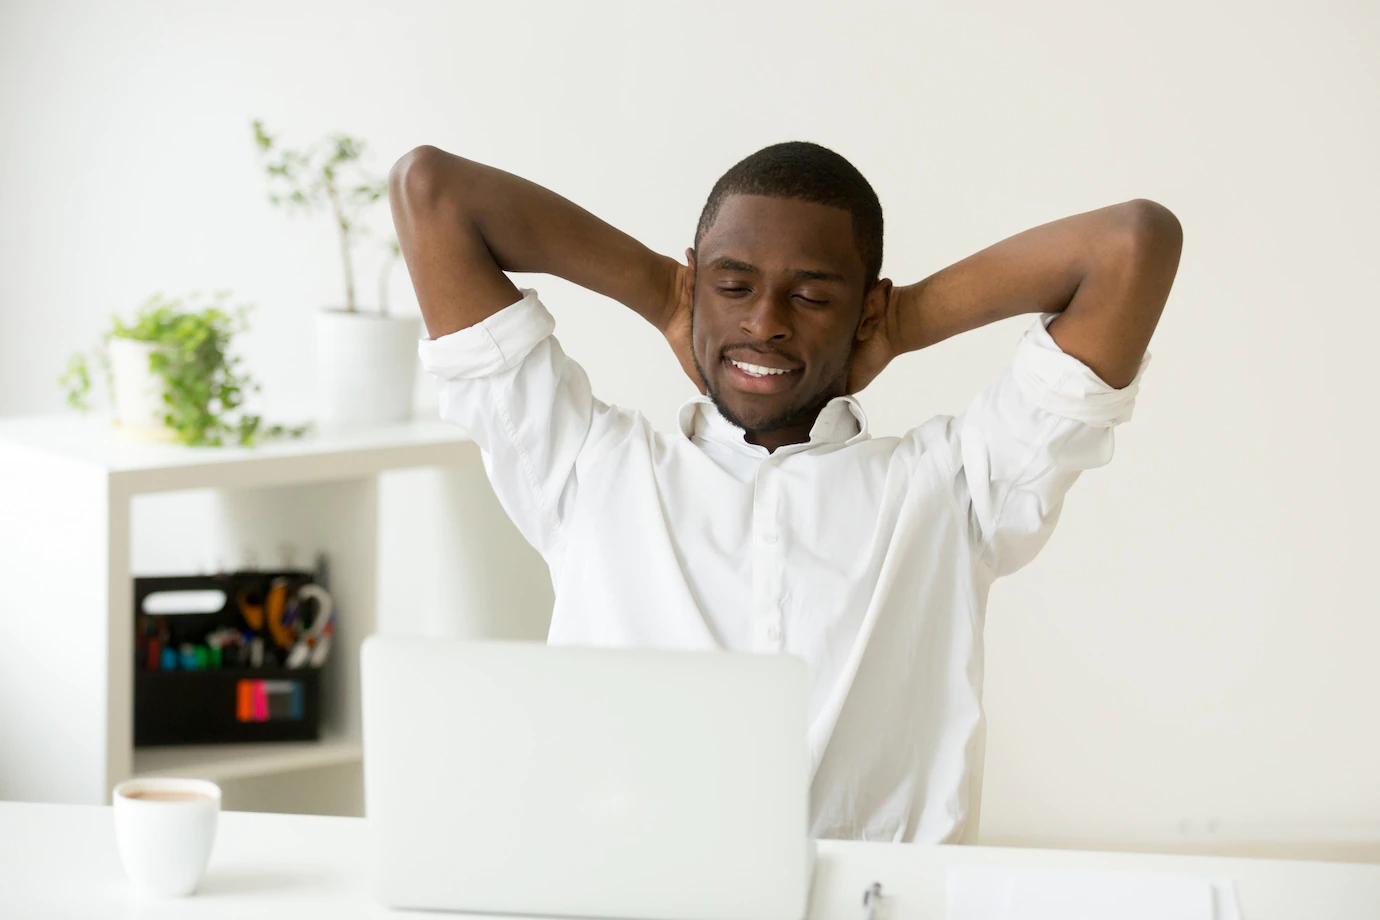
(528, 406)
(1025, 439)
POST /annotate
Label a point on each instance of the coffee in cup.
(164, 828)
(167, 795)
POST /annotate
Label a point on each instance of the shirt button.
(768, 539)
(774, 633)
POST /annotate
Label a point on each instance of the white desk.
(60, 861)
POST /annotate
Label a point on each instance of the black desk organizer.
(204, 706)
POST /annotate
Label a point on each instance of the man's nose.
(767, 317)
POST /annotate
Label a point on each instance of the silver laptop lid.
(523, 778)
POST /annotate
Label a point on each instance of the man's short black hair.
(807, 172)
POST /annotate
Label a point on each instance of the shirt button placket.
(766, 561)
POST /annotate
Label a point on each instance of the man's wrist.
(911, 317)
(664, 292)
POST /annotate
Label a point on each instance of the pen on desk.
(871, 896)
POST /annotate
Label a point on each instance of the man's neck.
(781, 437)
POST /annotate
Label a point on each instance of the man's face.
(777, 308)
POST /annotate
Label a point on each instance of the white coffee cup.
(164, 829)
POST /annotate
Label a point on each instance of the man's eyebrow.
(805, 274)
(733, 265)
(724, 263)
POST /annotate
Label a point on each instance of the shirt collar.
(841, 421)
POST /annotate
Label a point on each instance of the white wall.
(1190, 664)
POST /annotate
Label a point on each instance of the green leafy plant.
(328, 175)
(203, 389)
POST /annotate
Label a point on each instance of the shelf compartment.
(219, 762)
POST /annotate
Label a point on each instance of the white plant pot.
(366, 368)
(136, 391)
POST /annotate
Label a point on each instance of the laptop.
(521, 778)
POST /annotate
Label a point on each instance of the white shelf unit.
(67, 484)
(221, 762)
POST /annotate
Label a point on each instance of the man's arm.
(1108, 272)
(462, 224)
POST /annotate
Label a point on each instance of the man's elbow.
(1153, 232)
(418, 178)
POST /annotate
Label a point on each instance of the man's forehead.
(775, 234)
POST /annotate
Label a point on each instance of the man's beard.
(791, 416)
(786, 418)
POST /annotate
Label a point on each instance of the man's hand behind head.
(676, 322)
(875, 351)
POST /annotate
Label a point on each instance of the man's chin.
(757, 418)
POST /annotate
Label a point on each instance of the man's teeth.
(757, 370)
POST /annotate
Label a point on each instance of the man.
(771, 521)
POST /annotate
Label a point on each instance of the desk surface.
(60, 860)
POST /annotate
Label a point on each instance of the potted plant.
(171, 375)
(366, 360)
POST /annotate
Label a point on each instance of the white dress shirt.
(870, 558)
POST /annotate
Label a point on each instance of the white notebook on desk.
(995, 893)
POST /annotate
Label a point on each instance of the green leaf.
(76, 380)
(261, 138)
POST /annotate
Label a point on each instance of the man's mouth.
(758, 370)
(760, 378)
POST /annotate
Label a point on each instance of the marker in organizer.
(168, 659)
(269, 700)
(244, 700)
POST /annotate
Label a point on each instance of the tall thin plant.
(329, 175)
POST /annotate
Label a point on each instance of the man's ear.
(874, 309)
(690, 275)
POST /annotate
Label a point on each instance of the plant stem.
(344, 228)
(383, 287)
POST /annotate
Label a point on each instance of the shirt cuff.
(495, 344)
(1061, 384)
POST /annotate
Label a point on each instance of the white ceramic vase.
(136, 391)
(366, 368)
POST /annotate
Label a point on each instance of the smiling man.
(753, 363)
(771, 520)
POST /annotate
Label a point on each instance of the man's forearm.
(454, 215)
(1111, 267)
